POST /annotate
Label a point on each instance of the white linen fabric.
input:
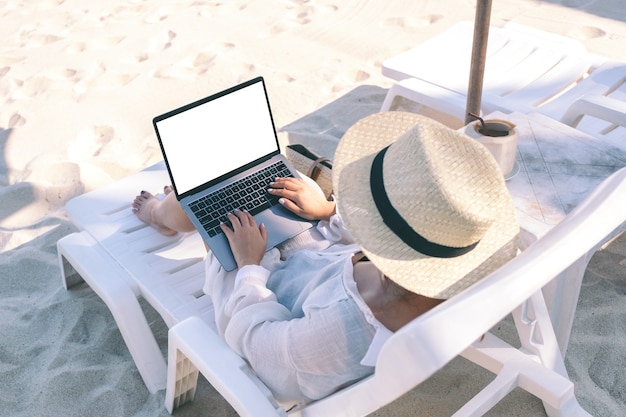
(298, 319)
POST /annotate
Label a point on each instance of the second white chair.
(526, 70)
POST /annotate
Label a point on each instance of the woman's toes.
(143, 207)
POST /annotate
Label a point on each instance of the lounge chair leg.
(534, 327)
(69, 276)
(181, 382)
(521, 368)
(194, 347)
(570, 408)
(107, 279)
(503, 384)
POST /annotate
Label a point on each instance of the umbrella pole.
(479, 55)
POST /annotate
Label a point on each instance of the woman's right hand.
(246, 239)
(302, 199)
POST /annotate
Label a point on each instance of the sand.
(79, 85)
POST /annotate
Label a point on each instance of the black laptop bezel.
(197, 103)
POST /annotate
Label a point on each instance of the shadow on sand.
(14, 197)
(610, 9)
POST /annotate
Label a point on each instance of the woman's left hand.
(301, 198)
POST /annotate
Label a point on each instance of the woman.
(425, 204)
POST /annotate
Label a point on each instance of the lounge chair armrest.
(598, 106)
(194, 346)
(429, 342)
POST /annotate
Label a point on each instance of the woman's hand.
(247, 241)
(301, 198)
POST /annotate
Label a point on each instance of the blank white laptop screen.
(217, 137)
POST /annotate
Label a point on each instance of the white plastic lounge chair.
(527, 70)
(422, 347)
(122, 260)
(597, 105)
(524, 67)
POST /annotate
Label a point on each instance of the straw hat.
(440, 190)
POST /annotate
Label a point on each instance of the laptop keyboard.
(249, 194)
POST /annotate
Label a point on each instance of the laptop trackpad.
(281, 224)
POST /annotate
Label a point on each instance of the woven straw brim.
(430, 276)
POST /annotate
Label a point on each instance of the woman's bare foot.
(144, 207)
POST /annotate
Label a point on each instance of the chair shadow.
(321, 130)
(614, 11)
(4, 169)
(14, 197)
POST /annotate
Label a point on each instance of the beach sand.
(79, 85)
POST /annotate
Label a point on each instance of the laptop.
(221, 152)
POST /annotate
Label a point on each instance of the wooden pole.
(479, 55)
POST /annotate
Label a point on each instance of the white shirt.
(299, 321)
